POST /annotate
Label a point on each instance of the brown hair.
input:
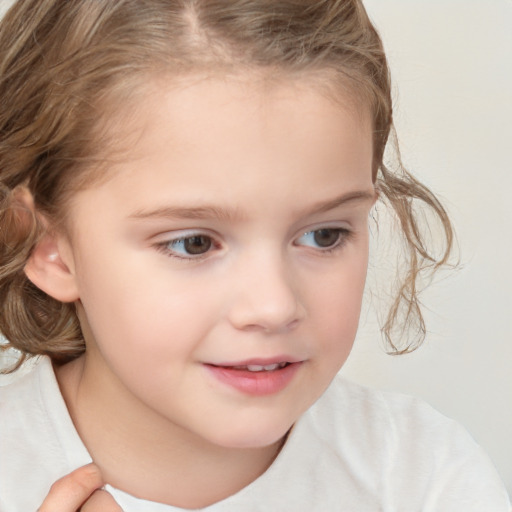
(62, 63)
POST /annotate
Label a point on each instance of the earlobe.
(47, 270)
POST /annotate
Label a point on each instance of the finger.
(100, 501)
(71, 491)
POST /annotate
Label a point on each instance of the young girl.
(185, 189)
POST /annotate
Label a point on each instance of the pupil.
(326, 237)
(197, 244)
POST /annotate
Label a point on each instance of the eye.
(188, 247)
(325, 238)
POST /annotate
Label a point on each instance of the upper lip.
(259, 361)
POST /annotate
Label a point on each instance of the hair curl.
(65, 66)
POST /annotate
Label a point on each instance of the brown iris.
(197, 244)
(326, 237)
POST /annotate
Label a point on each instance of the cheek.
(144, 311)
(337, 306)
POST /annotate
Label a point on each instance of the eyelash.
(164, 247)
(343, 236)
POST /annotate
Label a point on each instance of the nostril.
(293, 324)
(253, 328)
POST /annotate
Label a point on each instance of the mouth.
(256, 378)
(259, 368)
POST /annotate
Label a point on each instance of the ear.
(50, 268)
(46, 268)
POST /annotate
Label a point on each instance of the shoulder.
(23, 435)
(38, 442)
(32, 408)
(20, 392)
(374, 413)
(25, 411)
(413, 451)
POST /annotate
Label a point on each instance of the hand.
(79, 491)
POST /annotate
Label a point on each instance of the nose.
(267, 296)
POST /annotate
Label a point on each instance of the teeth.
(255, 368)
(261, 368)
(267, 367)
(258, 368)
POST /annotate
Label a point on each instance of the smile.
(261, 368)
(255, 379)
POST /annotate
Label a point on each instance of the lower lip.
(255, 383)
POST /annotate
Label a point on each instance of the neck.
(144, 454)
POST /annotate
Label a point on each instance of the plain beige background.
(451, 61)
(452, 65)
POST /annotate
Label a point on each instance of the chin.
(254, 436)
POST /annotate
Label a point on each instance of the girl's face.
(220, 270)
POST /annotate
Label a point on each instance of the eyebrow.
(217, 212)
(359, 196)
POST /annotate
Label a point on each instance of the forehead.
(199, 110)
(228, 137)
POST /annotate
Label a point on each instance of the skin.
(257, 169)
(80, 490)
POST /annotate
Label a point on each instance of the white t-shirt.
(354, 450)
